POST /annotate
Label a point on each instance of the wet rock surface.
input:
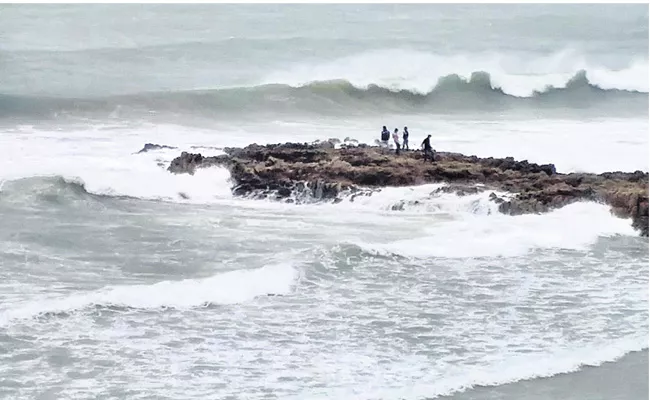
(299, 172)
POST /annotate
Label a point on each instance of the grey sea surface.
(120, 280)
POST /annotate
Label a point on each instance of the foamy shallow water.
(317, 301)
(279, 300)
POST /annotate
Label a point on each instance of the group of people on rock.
(426, 143)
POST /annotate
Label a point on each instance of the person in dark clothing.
(385, 135)
(428, 151)
(405, 139)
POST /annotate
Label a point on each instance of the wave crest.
(452, 93)
(44, 190)
(225, 288)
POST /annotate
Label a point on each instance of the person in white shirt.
(396, 139)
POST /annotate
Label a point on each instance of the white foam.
(103, 160)
(419, 71)
(470, 235)
(423, 199)
(205, 186)
(226, 288)
(512, 368)
(419, 378)
(635, 77)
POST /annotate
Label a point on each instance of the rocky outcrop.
(152, 146)
(298, 172)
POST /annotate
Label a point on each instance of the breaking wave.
(474, 235)
(91, 186)
(225, 288)
(44, 190)
(451, 93)
(519, 75)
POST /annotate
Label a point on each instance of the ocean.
(119, 280)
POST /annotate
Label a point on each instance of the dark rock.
(187, 163)
(460, 189)
(319, 172)
(284, 192)
(493, 197)
(152, 146)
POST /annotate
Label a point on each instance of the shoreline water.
(625, 378)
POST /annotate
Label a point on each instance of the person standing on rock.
(385, 135)
(405, 139)
(428, 151)
(396, 140)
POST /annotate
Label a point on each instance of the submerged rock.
(460, 189)
(305, 172)
(152, 146)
